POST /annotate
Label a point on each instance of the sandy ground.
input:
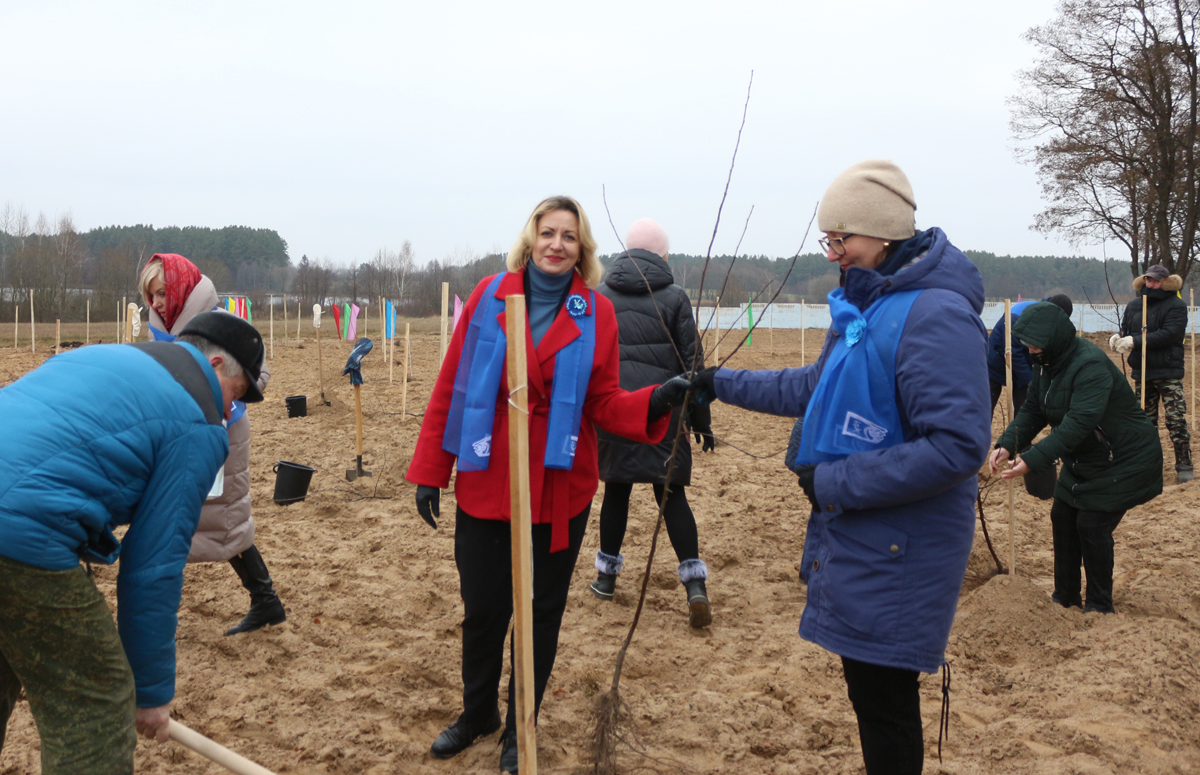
(365, 673)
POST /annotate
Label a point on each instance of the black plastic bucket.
(291, 482)
(297, 406)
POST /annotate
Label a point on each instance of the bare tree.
(1108, 116)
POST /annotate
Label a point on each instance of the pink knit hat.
(646, 234)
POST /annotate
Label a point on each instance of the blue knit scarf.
(472, 414)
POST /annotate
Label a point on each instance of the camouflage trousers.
(1174, 402)
(58, 641)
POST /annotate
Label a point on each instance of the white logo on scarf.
(861, 428)
(570, 444)
(483, 447)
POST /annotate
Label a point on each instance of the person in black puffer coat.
(657, 341)
(1166, 324)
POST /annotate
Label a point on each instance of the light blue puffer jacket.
(100, 437)
(885, 557)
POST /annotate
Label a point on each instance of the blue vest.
(472, 415)
(853, 408)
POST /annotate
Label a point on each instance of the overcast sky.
(353, 126)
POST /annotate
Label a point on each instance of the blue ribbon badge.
(576, 305)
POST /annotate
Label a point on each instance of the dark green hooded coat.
(1112, 460)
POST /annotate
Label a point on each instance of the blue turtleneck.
(546, 293)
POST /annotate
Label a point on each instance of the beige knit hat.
(872, 198)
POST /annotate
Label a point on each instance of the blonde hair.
(153, 270)
(588, 265)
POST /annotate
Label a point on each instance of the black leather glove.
(669, 394)
(429, 504)
(703, 390)
(701, 421)
(808, 483)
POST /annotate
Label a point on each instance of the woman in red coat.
(574, 384)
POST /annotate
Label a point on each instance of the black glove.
(429, 503)
(703, 390)
(701, 421)
(669, 394)
(808, 483)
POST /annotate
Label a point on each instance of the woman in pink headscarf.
(176, 292)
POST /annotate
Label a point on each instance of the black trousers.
(483, 556)
(887, 703)
(1019, 395)
(677, 513)
(1087, 537)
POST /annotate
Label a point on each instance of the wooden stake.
(285, 316)
(1080, 331)
(271, 304)
(717, 343)
(299, 319)
(118, 340)
(214, 751)
(1192, 315)
(87, 332)
(32, 325)
(1012, 414)
(390, 344)
(802, 332)
(122, 316)
(521, 535)
(771, 329)
(445, 310)
(404, 378)
(129, 322)
(1145, 305)
(57, 335)
(16, 325)
(320, 367)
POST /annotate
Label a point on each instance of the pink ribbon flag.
(352, 331)
(457, 312)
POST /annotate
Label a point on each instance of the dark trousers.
(1019, 395)
(887, 703)
(1085, 536)
(681, 523)
(59, 642)
(483, 556)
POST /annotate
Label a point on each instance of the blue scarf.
(481, 364)
(853, 408)
(238, 408)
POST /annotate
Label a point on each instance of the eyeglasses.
(837, 243)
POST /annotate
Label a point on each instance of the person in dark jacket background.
(896, 426)
(657, 341)
(1111, 457)
(98, 438)
(1166, 324)
(1022, 368)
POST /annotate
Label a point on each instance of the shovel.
(354, 369)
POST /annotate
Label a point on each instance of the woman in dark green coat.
(1112, 460)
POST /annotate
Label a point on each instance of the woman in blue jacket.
(896, 426)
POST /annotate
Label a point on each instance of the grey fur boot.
(608, 567)
(693, 574)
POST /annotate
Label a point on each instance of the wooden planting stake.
(404, 378)
(271, 304)
(771, 328)
(299, 319)
(1080, 331)
(129, 311)
(445, 309)
(87, 332)
(320, 367)
(121, 320)
(1145, 304)
(118, 339)
(521, 537)
(16, 325)
(32, 325)
(285, 316)
(390, 345)
(1012, 413)
(214, 751)
(802, 332)
(717, 343)
(57, 335)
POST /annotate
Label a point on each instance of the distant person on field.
(1111, 457)
(657, 341)
(1022, 366)
(1167, 320)
(176, 293)
(97, 438)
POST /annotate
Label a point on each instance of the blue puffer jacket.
(1022, 369)
(106, 436)
(885, 557)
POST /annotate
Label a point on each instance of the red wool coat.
(556, 495)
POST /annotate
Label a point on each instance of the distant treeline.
(814, 276)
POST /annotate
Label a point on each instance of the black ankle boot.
(265, 606)
(605, 586)
(457, 737)
(1183, 463)
(509, 760)
(699, 610)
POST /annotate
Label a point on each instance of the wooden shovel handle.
(214, 751)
